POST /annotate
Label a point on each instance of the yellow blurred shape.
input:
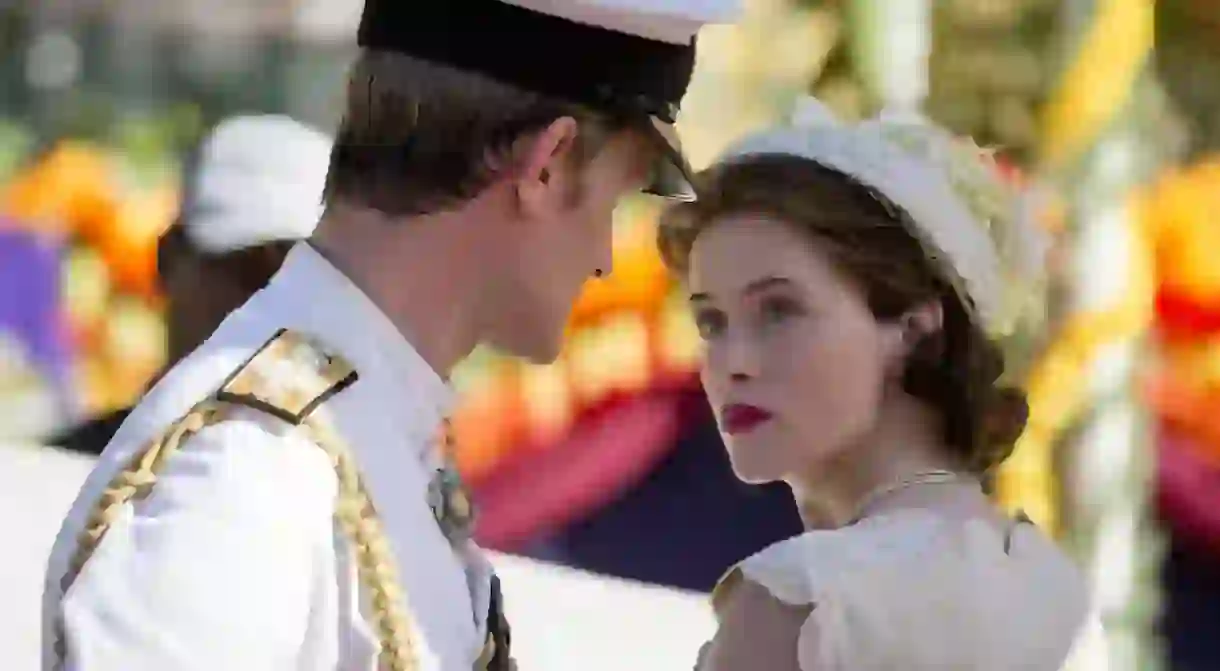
(85, 286)
(681, 349)
(613, 356)
(1099, 79)
(547, 401)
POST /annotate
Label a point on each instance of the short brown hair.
(419, 136)
(871, 240)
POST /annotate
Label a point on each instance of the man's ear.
(543, 161)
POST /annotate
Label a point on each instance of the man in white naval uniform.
(278, 500)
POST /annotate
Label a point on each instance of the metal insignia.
(451, 505)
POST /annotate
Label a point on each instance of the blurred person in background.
(250, 189)
(294, 509)
(852, 284)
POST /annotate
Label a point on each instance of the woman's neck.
(880, 471)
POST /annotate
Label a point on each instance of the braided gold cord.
(374, 559)
(353, 510)
(133, 482)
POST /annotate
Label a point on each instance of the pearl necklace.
(929, 477)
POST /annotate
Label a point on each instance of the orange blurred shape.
(1196, 362)
(638, 282)
(489, 423)
(1189, 407)
(1181, 212)
(93, 213)
(49, 192)
(129, 245)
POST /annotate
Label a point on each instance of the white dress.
(912, 591)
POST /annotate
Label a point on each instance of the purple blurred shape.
(30, 306)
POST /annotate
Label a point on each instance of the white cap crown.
(673, 21)
(257, 179)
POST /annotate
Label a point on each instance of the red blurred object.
(1009, 170)
(1188, 492)
(611, 447)
(1188, 410)
(1183, 317)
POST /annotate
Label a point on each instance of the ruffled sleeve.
(815, 569)
(801, 570)
(921, 594)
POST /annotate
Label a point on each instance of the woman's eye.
(775, 310)
(709, 323)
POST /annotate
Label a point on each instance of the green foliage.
(152, 144)
(16, 142)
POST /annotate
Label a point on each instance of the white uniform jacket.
(233, 561)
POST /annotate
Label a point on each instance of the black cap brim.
(671, 174)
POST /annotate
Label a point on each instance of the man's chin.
(539, 351)
(543, 356)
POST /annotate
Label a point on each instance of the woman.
(851, 283)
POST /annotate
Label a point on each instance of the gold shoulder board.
(289, 377)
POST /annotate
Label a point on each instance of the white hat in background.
(254, 180)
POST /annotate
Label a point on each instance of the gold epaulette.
(289, 377)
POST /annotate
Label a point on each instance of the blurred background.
(608, 461)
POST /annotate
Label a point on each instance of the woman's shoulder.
(756, 630)
(798, 569)
(913, 583)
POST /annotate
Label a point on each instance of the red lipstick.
(740, 418)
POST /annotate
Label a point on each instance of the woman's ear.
(905, 334)
(921, 322)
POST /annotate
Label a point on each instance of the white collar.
(310, 294)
